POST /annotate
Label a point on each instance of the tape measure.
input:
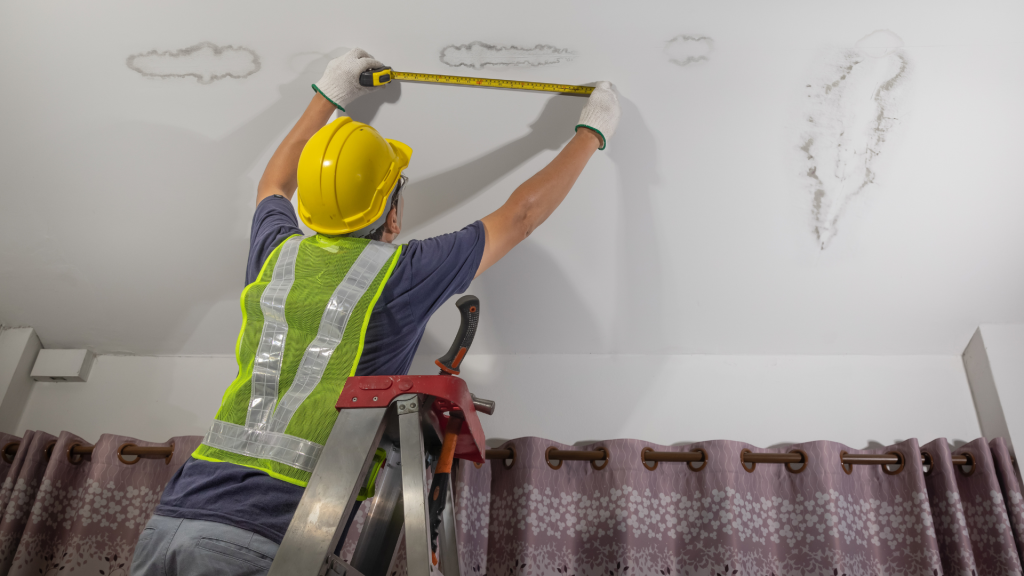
(385, 74)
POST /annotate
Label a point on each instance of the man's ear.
(392, 224)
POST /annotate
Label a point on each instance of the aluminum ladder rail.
(403, 415)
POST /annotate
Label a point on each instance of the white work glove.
(601, 113)
(340, 83)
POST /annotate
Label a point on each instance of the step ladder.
(405, 418)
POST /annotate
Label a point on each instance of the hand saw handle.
(469, 307)
(438, 495)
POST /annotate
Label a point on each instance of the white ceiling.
(127, 199)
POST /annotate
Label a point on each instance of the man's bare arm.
(534, 200)
(280, 175)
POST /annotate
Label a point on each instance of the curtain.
(723, 520)
(62, 514)
(84, 514)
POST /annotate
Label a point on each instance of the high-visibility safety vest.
(304, 322)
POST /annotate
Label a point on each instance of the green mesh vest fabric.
(320, 264)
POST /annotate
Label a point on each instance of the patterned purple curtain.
(65, 514)
(725, 519)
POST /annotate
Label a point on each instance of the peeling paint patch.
(481, 55)
(684, 50)
(851, 112)
(206, 62)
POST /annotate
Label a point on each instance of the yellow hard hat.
(346, 174)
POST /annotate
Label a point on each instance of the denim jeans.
(172, 546)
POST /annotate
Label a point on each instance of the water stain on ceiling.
(684, 50)
(479, 55)
(851, 112)
(206, 62)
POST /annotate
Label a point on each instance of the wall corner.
(18, 350)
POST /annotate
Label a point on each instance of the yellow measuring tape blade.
(492, 83)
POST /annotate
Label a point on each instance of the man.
(319, 309)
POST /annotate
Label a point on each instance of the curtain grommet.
(847, 468)
(903, 462)
(643, 459)
(607, 455)
(703, 460)
(71, 456)
(927, 463)
(743, 463)
(48, 449)
(970, 462)
(5, 453)
(800, 469)
(510, 462)
(120, 454)
(478, 465)
(169, 456)
(547, 458)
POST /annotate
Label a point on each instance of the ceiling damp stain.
(205, 62)
(482, 55)
(684, 50)
(853, 109)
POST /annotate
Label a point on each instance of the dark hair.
(379, 232)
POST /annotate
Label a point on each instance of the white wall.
(994, 360)
(700, 209)
(150, 398)
(763, 400)
(18, 350)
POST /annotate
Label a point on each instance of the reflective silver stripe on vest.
(332, 329)
(266, 369)
(290, 450)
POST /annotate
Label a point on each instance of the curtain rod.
(80, 450)
(746, 457)
(647, 454)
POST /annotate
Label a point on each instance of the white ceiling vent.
(62, 366)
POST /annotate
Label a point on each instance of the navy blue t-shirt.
(427, 274)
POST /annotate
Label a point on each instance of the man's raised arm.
(534, 200)
(336, 89)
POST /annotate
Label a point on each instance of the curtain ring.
(903, 462)
(926, 461)
(120, 456)
(743, 464)
(48, 449)
(7, 457)
(508, 465)
(548, 460)
(607, 455)
(703, 461)
(169, 456)
(478, 465)
(800, 469)
(643, 459)
(847, 468)
(970, 462)
(71, 456)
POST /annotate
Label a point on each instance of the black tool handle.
(469, 307)
(366, 77)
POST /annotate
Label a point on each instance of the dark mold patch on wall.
(852, 110)
(481, 55)
(684, 50)
(206, 62)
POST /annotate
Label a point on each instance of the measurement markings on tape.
(384, 75)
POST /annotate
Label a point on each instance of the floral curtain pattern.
(722, 519)
(61, 514)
